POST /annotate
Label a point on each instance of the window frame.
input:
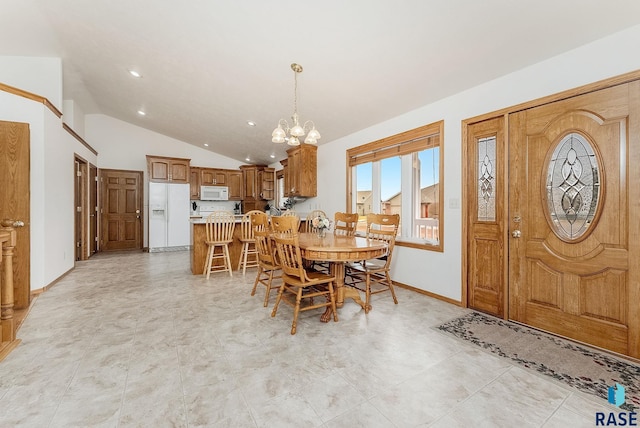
(404, 143)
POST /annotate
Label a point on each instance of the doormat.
(584, 368)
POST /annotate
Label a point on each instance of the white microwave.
(214, 193)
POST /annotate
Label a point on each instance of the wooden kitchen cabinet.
(165, 169)
(194, 183)
(235, 182)
(259, 182)
(300, 171)
(266, 184)
(213, 177)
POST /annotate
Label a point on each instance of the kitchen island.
(199, 247)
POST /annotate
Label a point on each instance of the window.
(401, 174)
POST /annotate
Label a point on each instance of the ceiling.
(209, 66)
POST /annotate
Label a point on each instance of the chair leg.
(275, 307)
(244, 260)
(255, 283)
(268, 293)
(367, 304)
(207, 268)
(390, 284)
(241, 254)
(225, 249)
(296, 311)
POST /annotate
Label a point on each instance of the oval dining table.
(337, 250)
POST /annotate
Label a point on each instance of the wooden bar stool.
(219, 227)
(249, 253)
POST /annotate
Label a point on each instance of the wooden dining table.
(337, 250)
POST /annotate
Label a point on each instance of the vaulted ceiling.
(210, 66)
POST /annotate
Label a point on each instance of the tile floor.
(135, 340)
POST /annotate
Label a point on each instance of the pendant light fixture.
(292, 134)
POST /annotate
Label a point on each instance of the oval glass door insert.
(573, 187)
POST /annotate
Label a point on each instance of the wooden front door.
(574, 218)
(487, 252)
(121, 210)
(15, 204)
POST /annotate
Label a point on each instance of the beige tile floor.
(135, 340)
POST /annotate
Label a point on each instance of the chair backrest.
(264, 247)
(289, 255)
(246, 226)
(345, 223)
(384, 227)
(285, 224)
(260, 221)
(308, 223)
(288, 213)
(220, 226)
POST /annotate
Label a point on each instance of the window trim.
(411, 141)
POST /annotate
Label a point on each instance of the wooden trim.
(427, 293)
(79, 138)
(51, 284)
(633, 76)
(422, 138)
(31, 96)
(570, 93)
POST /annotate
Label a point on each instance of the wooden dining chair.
(345, 223)
(297, 282)
(249, 253)
(382, 227)
(285, 224)
(219, 234)
(268, 265)
(308, 223)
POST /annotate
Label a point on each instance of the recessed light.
(247, 159)
(251, 123)
(135, 73)
(142, 113)
(206, 145)
(272, 156)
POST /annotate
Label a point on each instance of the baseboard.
(428, 293)
(51, 284)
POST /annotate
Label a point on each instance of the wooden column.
(7, 322)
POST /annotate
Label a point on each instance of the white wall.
(52, 152)
(40, 76)
(440, 273)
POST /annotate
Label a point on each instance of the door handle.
(12, 223)
(516, 233)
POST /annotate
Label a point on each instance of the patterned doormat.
(584, 368)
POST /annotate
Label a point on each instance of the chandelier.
(296, 131)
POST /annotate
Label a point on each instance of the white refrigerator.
(169, 210)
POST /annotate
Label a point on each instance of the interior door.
(574, 213)
(487, 252)
(15, 204)
(121, 209)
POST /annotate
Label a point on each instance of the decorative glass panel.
(487, 179)
(573, 187)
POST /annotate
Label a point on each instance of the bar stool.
(249, 253)
(219, 227)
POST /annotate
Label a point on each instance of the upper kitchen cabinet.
(235, 182)
(266, 183)
(164, 169)
(259, 182)
(194, 183)
(300, 171)
(213, 177)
